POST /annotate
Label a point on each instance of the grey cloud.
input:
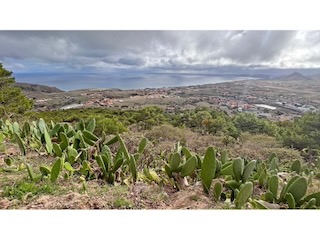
(131, 61)
(257, 46)
(71, 45)
(168, 49)
(310, 38)
(28, 46)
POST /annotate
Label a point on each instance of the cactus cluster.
(71, 146)
(293, 192)
(79, 152)
(181, 164)
(237, 173)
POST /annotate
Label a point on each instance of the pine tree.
(12, 100)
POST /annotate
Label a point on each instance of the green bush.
(109, 126)
(12, 100)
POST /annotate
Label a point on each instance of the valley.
(282, 99)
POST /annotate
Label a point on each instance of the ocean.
(124, 81)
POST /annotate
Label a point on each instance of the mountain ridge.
(293, 76)
(37, 88)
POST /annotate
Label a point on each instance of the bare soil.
(137, 196)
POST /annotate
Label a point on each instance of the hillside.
(293, 76)
(37, 88)
(164, 167)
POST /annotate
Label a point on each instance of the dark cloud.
(103, 50)
(131, 61)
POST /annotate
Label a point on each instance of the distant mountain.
(315, 76)
(37, 88)
(293, 76)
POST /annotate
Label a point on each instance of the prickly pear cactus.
(248, 170)
(208, 169)
(238, 167)
(56, 169)
(298, 188)
(296, 166)
(189, 167)
(243, 195)
(217, 190)
(273, 185)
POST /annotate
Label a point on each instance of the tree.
(12, 100)
(203, 120)
(149, 117)
(304, 132)
(247, 122)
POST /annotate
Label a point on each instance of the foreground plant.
(79, 154)
(180, 165)
(208, 169)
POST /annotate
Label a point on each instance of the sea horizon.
(127, 81)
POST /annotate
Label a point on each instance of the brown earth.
(137, 196)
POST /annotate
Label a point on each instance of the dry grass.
(261, 147)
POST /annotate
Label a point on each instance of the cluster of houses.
(231, 102)
(99, 102)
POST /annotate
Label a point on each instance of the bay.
(124, 81)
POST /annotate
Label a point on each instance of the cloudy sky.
(163, 51)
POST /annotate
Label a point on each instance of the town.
(277, 100)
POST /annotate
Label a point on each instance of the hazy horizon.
(76, 81)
